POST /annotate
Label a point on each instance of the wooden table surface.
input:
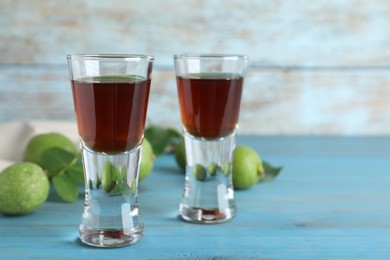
(331, 201)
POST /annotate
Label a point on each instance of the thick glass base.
(207, 216)
(110, 238)
(208, 195)
(111, 212)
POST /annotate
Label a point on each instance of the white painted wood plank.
(284, 32)
(276, 101)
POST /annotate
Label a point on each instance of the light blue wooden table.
(331, 201)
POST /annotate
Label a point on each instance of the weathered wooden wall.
(316, 67)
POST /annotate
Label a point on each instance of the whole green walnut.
(41, 142)
(147, 160)
(24, 187)
(247, 168)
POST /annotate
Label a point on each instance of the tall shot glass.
(209, 88)
(110, 94)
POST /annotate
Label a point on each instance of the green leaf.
(270, 172)
(174, 133)
(161, 138)
(55, 159)
(65, 187)
(76, 172)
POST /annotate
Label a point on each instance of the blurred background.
(316, 67)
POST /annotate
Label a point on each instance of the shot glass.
(209, 89)
(110, 94)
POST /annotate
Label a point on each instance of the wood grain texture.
(275, 101)
(283, 32)
(316, 67)
(330, 202)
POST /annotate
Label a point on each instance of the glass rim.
(210, 56)
(124, 57)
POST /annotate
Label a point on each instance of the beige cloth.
(14, 137)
